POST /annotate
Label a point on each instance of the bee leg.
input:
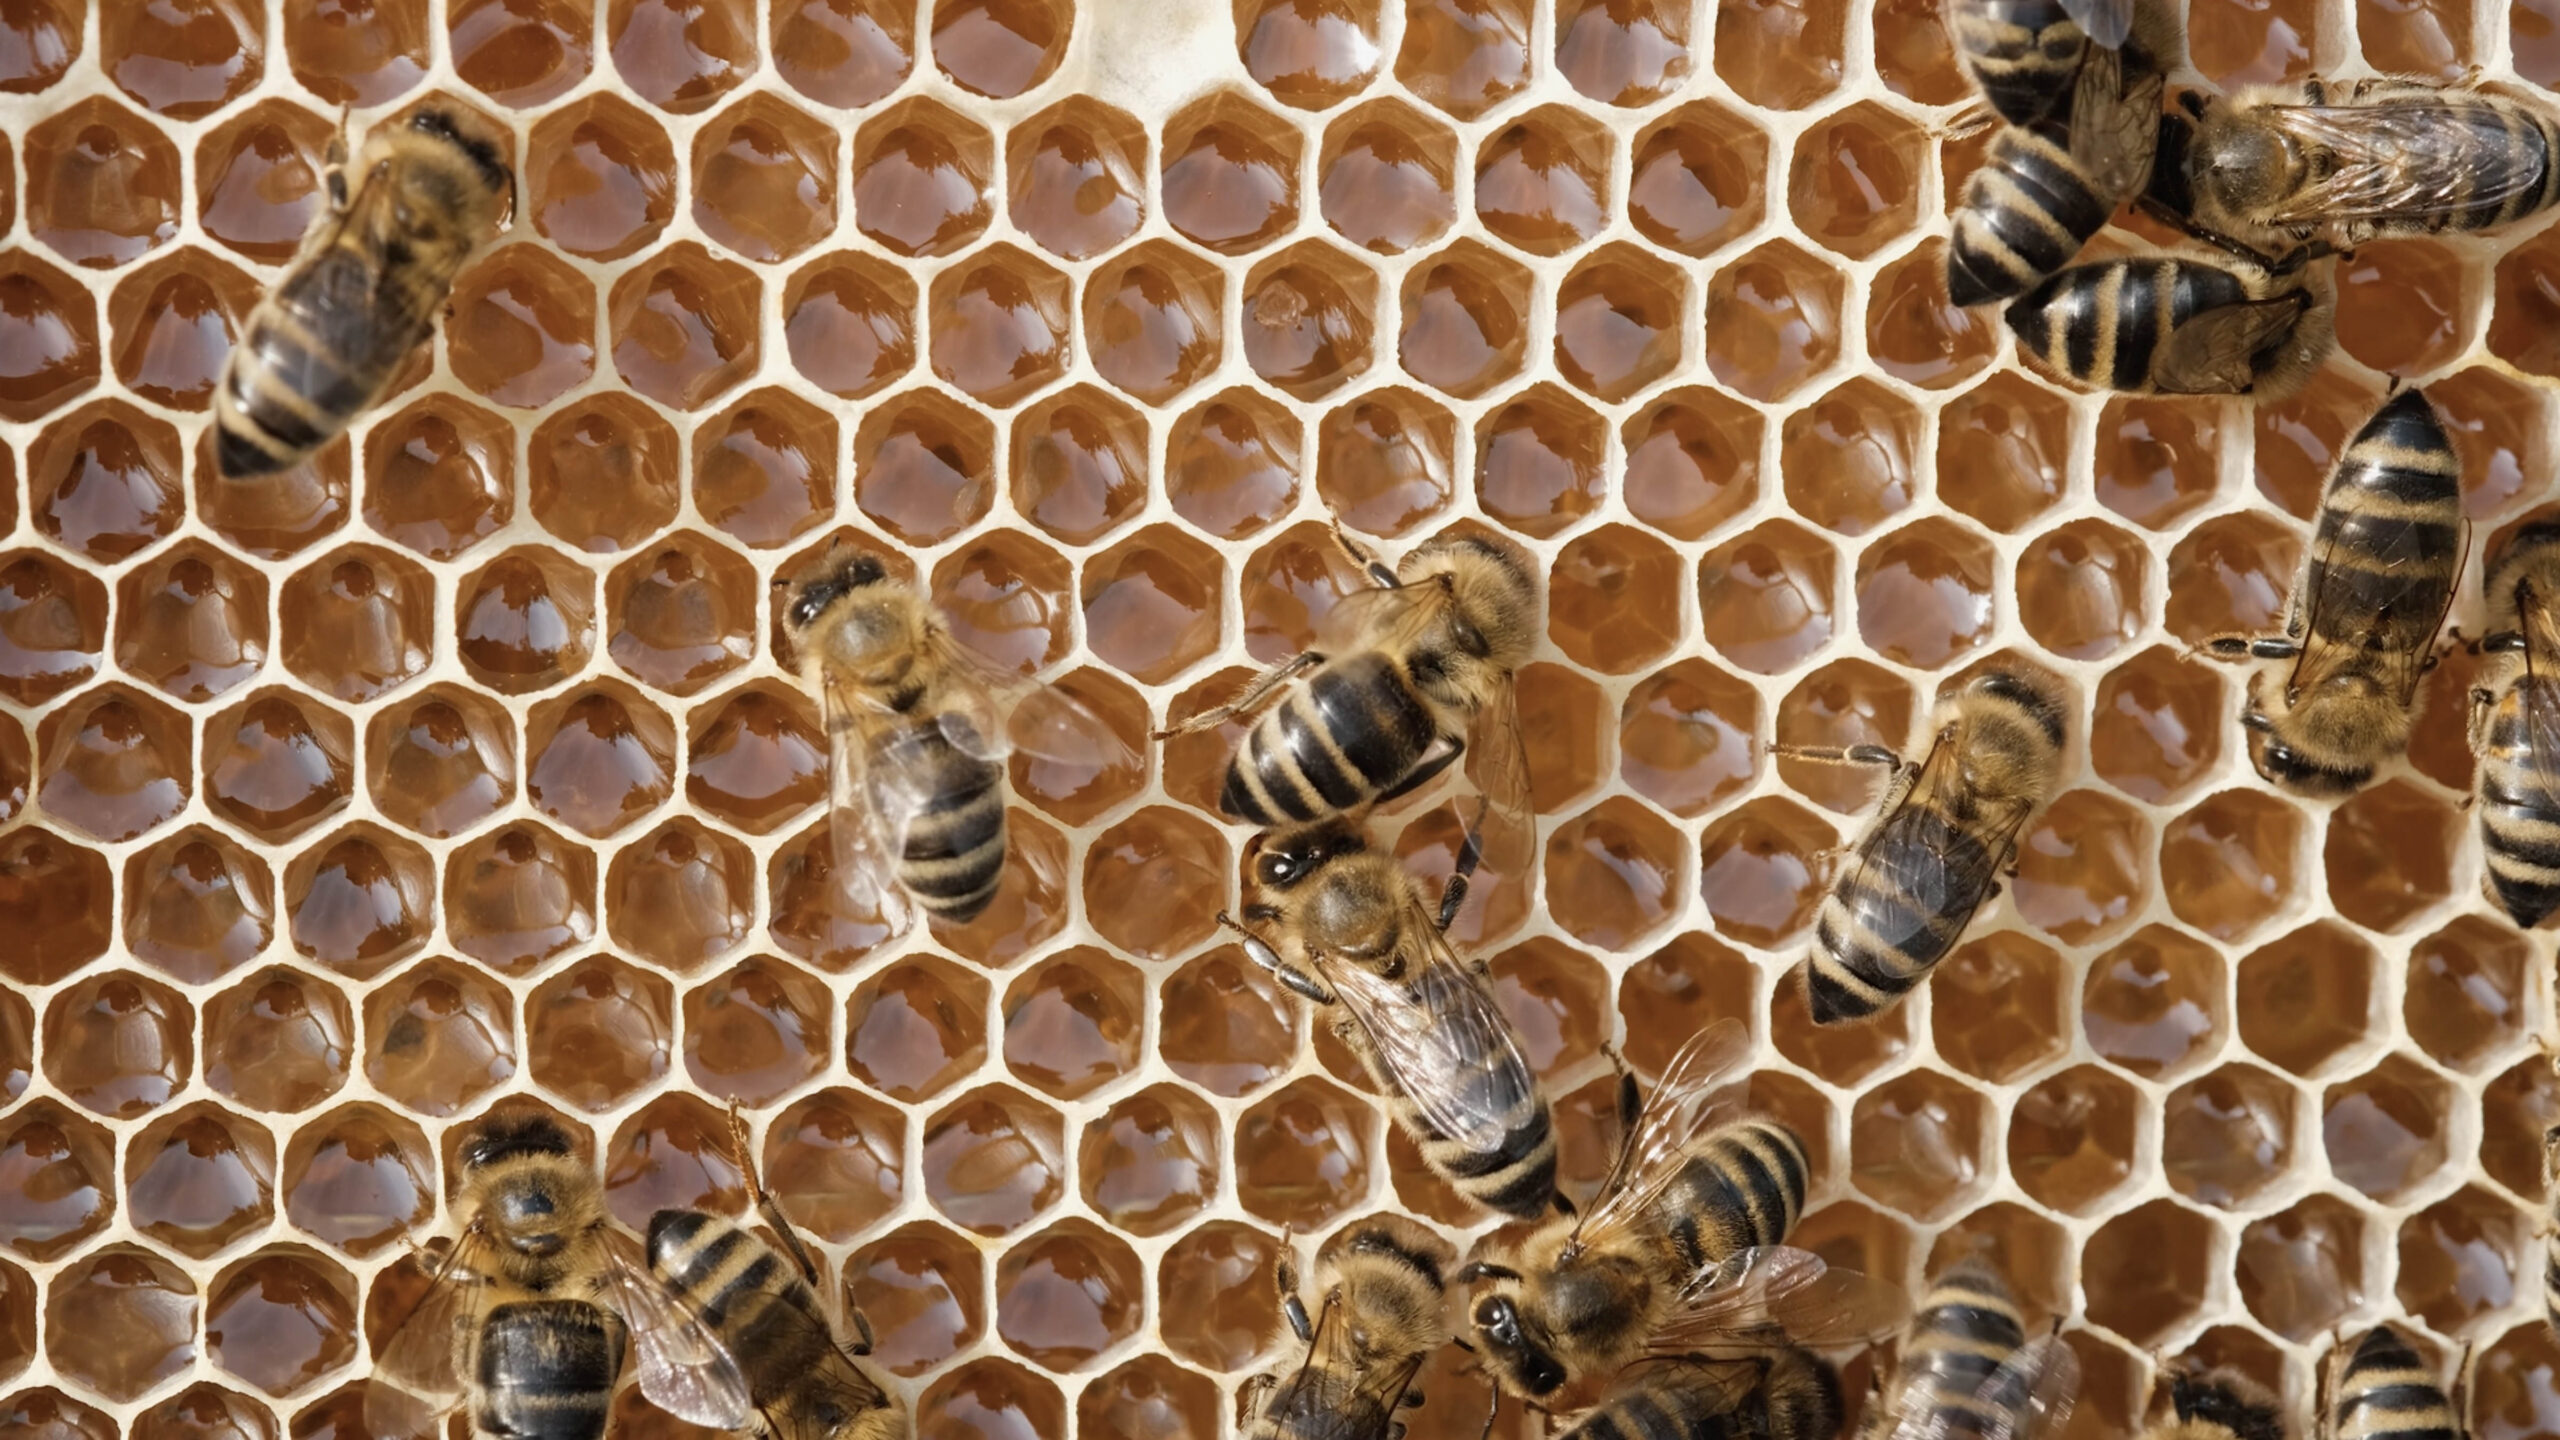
(1475, 1270)
(2247, 647)
(2458, 1394)
(1249, 1397)
(1295, 1311)
(1837, 754)
(333, 164)
(1260, 953)
(1462, 870)
(1492, 1411)
(862, 1327)
(1253, 698)
(2481, 703)
(1379, 575)
(742, 1149)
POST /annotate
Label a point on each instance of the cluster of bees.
(1671, 1307)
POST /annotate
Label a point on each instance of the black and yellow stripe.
(1741, 1188)
(2026, 213)
(2023, 53)
(545, 1370)
(1354, 729)
(952, 858)
(1517, 1176)
(2387, 1393)
(2518, 780)
(1967, 1329)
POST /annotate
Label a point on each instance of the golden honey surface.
(463, 768)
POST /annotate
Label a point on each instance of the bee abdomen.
(1659, 1406)
(2388, 1394)
(310, 359)
(2026, 212)
(1967, 1328)
(749, 1295)
(1742, 1189)
(1873, 942)
(1353, 729)
(1517, 1176)
(2023, 53)
(545, 1370)
(952, 855)
(2519, 833)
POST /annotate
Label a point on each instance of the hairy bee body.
(362, 294)
(1382, 1294)
(545, 1370)
(2551, 1231)
(2360, 628)
(953, 856)
(1967, 1369)
(1933, 855)
(759, 1304)
(2218, 1405)
(2026, 54)
(2387, 1393)
(1795, 1397)
(2026, 213)
(2170, 325)
(2515, 728)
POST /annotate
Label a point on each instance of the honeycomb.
(461, 769)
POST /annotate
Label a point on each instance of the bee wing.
(2107, 22)
(2409, 159)
(2114, 129)
(1778, 1293)
(417, 1373)
(1365, 618)
(1700, 1089)
(1441, 1039)
(684, 1368)
(2211, 353)
(2400, 639)
(865, 871)
(993, 712)
(1498, 761)
(2539, 695)
(2030, 1396)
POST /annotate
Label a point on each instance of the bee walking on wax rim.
(1381, 1290)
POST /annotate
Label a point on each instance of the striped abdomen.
(2387, 1393)
(1352, 730)
(750, 1296)
(1320, 1404)
(2024, 54)
(2501, 152)
(1742, 1188)
(2105, 324)
(2520, 808)
(2384, 552)
(1666, 1402)
(320, 349)
(1874, 940)
(952, 803)
(544, 1370)
(1967, 1329)
(2026, 213)
(1516, 1174)
(2551, 1231)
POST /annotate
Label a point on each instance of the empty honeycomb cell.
(600, 176)
(1846, 460)
(2147, 1269)
(1920, 1143)
(104, 481)
(2465, 992)
(2461, 1260)
(114, 763)
(17, 769)
(102, 184)
(118, 1044)
(281, 1320)
(2082, 589)
(1153, 883)
(2389, 855)
(1613, 873)
(1618, 322)
(764, 179)
(681, 614)
(1214, 1295)
(440, 761)
(599, 1032)
(2417, 37)
(1678, 990)
(2299, 438)
(1760, 869)
(1303, 1155)
(196, 904)
(1697, 179)
(1001, 48)
(2229, 865)
(358, 1178)
(1386, 176)
(2156, 460)
(1151, 604)
(1688, 737)
(525, 621)
(186, 58)
(56, 897)
(916, 1027)
(2516, 1384)
(521, 52)
(358, 52)
(1465, 56)
(844, 53)
(519, 894)
(2307, 998)
(672, 1152)
(836, 1154)
(1767, 596)
(1151, 321)
(816, 916)
(2080, 867)
(757, 1031)
(278, 763)
(1773, 321)
(2401, 302)
(1556, 998)
(205, 1412)
(764, 470)
(1614, 600)
(683, 326)
(38, 43)
(1232, 463)
(48, 337)
(258, 179)
(1913, 56)
(927, 467)
(2000, 1007)
(1567, 719)
(1079, 464)
(58, 1171)
(1781, 54)
(1073, 173)
(2386, 1129)
(357, 623)
(121, 1321)
(359, 899)
(1006, 598)
(598, 757)
(680, 894)
(1466, 320)
(1067, 1295)
(923, 179)
(191, 622)
(1150, 1395)
(2524, 307)
(758, 758)
(1539, 460)
(52, 1415)
(992, 1399)
(2003, 451)
(278, 515)
(2072, 1142)
(849, 324)
(2301, 1271)
(520, 330)
(924, 1291)
(279, 1041)
(53, 626)
(1072, 1024)
(1230, 177)
(174, 321)
(438, 1037)
(1621, 53)
(1384, 460)
(1924, 593)
(1224, 1025)
(1541, 182)
(2495, 421)
(994, 1160)
(1847, 702)
(682, 55)
(1309, 53)
(1853, 183)
(2237, 42)
(2155, 722)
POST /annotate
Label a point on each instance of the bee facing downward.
(1381, 1316)
(2026, 55)
(2360, 629)
(526, 1313)
(1784, 1394)
(2515, 727)
(2176, 325)
(2384, 1390)
(1946, 829)
(2218, 1405)
(1349, 927)
(918, 729)
(362, 292)
(1968, 1368)
(2048, 186)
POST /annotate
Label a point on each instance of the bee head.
(1505, 1338)
(813, 597)
(1283, 860)
(1495, 584)
(2322, 744)
(464, 135)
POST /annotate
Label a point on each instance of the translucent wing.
(1758, 1297)
(2214, 353)
(2538, 692)
(1368, 619)
(1441, 1039)
(1498, 762)
(2113, 130)
(989, 712)
(2394, 639)
(2106, 21)
(683, 1367)
(2026, 1397)
(866, 876)
(2409, 159)
(1700, 1089)
(417, 1373)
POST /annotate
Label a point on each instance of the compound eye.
(1275, 870)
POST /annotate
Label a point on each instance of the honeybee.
(918, 729)
(1787, 1394)
(2329, 165)
(764, 1310)
(525, 1314)
(2178, 326)
(2384, 1389)
(1348, 926)
(1947, 828)
(2515, 727)
(2360, 628)
(1406, 676)
(2218, 1405)
(364, 289)
(2551, 1228)
(2047, 186)
(1680, 1253)
(2026, 55)
(1381, 1316)
(1968, 1369)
